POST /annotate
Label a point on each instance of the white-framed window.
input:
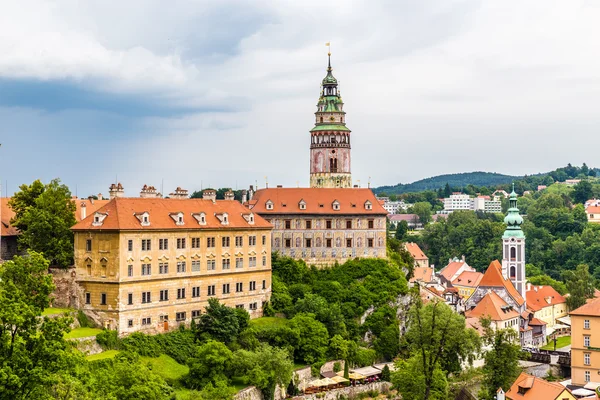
(196, 291)
(587, 358)
(252, 240)
(130, 245)
(146, 321)
(253, 306)
(196, 313)
(252, 285)
(163, 244)
(252, 261)
(181, 243)
(264, 261)
(146, 245)
(181, 293)
(211, 290)
(163, 268)
(146, 269)
(226, 288)
(239, 262)
(586, 341)
(225, 241)
(130, 270)
(180, 266)
(195, 265)
(264, 240)
(226, 263)
(180, 316)
(239, 241)
(211, 265)
(587, 376)
(146, 297)
(195, 243)
(586, 324)
(164, 295)
(210, 242)
(239, 287)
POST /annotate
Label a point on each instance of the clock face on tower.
(332, 118)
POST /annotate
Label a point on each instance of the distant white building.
(394, 207)
(459, 201)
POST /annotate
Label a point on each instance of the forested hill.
(477, 178)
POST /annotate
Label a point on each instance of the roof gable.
(493, 306)
(493, 278)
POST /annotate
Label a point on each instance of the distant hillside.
(477, 178)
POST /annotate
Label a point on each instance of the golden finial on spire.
(328, 44)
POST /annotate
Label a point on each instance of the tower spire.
(513, 246)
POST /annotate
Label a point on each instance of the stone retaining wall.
(348, 392)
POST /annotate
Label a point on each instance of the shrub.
(142, 344)
(108, 340)
(83, 320)
(337, 367)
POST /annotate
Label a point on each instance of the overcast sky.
(223, 93)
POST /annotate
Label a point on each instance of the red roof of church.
(493, 278)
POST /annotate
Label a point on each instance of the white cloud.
(430, 87)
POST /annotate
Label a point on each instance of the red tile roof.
(449, 270)
(593, 210)
(403, 217)
(493, 278)
(422, 274)
(468, 278)
(536, 321)
(6, 229)
(121, 214)
(543, 296)
(415, 251)
(318, 201)
(592, 308)
(535, 389)
(493, 306)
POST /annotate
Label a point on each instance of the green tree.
(582, 192)
(219, 391)
(580, 285)
(346, 369)
(338, 348)
(440, 340)
(220, 322)
(44, 218)
(386, 374)
(212, 363)
(401, 230)
(423, 211)
(314, 339)
(415, 379)
(264, 368)
(33, 352)
(501, 366)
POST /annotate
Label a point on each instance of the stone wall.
(302, 377)
(8, 247)
(328, 366)
(66, 292)
(349, 392)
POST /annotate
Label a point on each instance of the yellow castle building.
(151, 264)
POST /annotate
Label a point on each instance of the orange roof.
(415, 251)
(543, 296)
(428, 294)
(593, 210)
(422, 274)
(468, 278)
(6, 229)
(317, 201)
(535, 388)
(493, 306)
(536, 321)
(91, 206)
(592, 308)
(123, 213)
(493, 278)
(475, 323)
(449, 270)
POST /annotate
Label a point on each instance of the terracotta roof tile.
(591, 308)
(422, 274)
(468, 278)
(535, 389)
(121, 214)
(536, 321)
(6, 229)
(318, 201)
(449, 270)
(543, 296)
(415, 251)
(493, 278)
(493, 306)
(593, 210)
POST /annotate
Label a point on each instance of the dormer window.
(249, 218)
(223, 217)
(269, 205)
(178, 218)
(99, 218)
(336, 205)
(368, 205)
(144, 218)
(302, 205)
(200, 217)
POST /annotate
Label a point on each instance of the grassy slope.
(102, 356)
(268, 321)
(167, 367)
(560, 342)
(82, 332)
(52, 311)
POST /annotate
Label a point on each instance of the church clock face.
(332, 118)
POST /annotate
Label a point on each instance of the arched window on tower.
(321, 119)
(333, 164)
(513, 254)
(513, 272)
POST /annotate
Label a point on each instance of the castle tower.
(330, 139)
(513, 246)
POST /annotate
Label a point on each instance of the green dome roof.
(513, 219)
(329, 79)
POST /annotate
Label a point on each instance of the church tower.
(513, 247)
(330, 139)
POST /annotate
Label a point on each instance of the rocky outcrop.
(67, 289)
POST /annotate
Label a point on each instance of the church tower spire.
(513, 246)
(330, 138)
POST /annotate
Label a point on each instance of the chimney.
(229, 195)
(91, 199)
(100, 196)
(179, 193)
(500, 395)
(251, 192)
(244, 196)
(209, 194)
(535, 288)
(463, 258)
(116, 190)
(528, 287)
(83, 211)
(149, 192)
(280, 186)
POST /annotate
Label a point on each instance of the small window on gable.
(368, 205)
(302, 205)
(336, 205)
(269, 205)
(249, 218)
(144, 218)
(224, 218)
(99, 218)
(200, 217)
(178, 218)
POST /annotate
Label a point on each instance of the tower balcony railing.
(332, 144)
